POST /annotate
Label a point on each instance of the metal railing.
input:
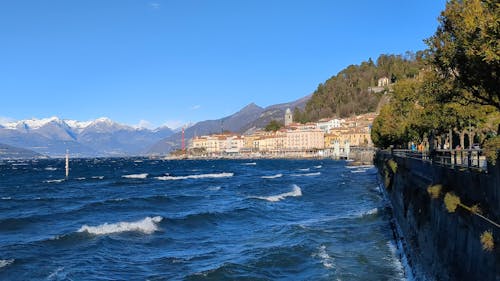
(461, 158)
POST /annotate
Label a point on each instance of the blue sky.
(177, 61)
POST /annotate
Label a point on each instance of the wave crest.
(201, 176)
(307, 174)
(54, 181)
(273, 176)
(4, 263)
(147, 225)
(296, 192)
(326, 259)
(136, 176)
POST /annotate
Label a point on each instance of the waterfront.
(139, 219)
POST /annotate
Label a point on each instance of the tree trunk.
(451, 139)
(471, 138)
(462, 139)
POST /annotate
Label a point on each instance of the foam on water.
(305, 170)
(50, 169)
(359, 171)
(201, 176)
(306, 175)
(318, 167)
(396, 261)
(55, 274)
(249, 164)
(147, 225)
(273, 176)
(360, 167)
(53, 181)
(98, 177)
(81, 178)
(136, 176)
(296, 192)
(6, 198)
(214, 188)
(326, 259)
(370, 212)
(4, 263)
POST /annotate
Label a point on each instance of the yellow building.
(304, 137)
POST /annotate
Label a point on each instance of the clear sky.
(177, 61)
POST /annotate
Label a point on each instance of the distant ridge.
(11, 152)
(100, 137)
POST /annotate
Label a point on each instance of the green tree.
(273, 125)
(465, 50)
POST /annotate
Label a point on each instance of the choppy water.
(138, 219)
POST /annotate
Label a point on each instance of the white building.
(326, 125)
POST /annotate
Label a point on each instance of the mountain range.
(100, 137)
(104, 137)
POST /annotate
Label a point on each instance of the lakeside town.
(329, 137)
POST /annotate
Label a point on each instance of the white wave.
(296, 192)
(55, 274)
(4, 263)
(358, 171)
(54, 181)
(318, 167)
(214, 188)
(138, 161)
(360, 167)
(136, 176)
(81, 179)
(6, 198)
(371, 212)
(147, 225)
(201, 176)
(326, 259)
(50, 169)
(306, 175)
(98, 177)
(396, 262)
(305, 170)
(249, 164)
(273, 176)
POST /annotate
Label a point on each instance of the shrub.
(451, 201)
(434, 191)
(487, 241)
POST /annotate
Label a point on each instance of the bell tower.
(288, 117)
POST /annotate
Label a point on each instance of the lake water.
(140, 219)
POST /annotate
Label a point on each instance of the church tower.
(288, 117)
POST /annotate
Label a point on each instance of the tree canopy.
(351, 91)
(273, 125)
(457, 89)
(466, 50)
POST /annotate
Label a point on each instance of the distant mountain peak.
(104, 120)
(33, 123)
(251, 106)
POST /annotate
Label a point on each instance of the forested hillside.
(348, 93)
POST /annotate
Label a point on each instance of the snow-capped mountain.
(100, 137)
